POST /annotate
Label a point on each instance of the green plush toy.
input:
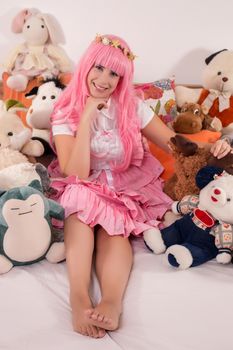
(26, 232)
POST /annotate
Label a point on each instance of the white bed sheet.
(164, 308)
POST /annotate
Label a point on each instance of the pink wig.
(71, 103)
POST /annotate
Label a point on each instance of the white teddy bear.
(40, 54)
(217, 92)
(15, 144)
(206, 229)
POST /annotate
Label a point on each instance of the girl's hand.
(220, 148)
(93, 104)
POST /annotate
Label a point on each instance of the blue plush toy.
(26, 232)
(206, 229)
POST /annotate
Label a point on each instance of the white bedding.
(164, 308)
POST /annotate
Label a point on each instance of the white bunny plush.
(40, 54)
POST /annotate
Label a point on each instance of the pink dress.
(123, 203)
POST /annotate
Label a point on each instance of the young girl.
(110, 187)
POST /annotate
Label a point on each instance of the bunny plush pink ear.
(20, 18)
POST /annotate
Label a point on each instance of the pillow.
(167, 160)
(160, 96)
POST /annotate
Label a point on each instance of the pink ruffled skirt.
(135, 202)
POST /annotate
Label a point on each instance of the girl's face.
(102, 82)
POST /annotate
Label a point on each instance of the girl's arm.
(74, 151)
(157, 132)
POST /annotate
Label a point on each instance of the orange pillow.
(168, 161)
(20, 95)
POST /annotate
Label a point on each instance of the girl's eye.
(99, 67)
(114, 74)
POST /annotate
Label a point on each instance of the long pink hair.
(71, 103)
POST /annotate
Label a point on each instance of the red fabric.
(225, 116)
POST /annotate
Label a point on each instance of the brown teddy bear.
(189, 158)
(193, 118)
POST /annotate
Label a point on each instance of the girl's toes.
(102, 333)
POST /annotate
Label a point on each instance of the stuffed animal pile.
(204, 232)
(40, 53)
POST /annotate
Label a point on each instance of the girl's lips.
(100, 88)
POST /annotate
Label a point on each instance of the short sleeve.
(62, 129)
(145, 113)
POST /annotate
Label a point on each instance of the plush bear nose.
(224, 79)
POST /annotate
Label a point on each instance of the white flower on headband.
(105, 41)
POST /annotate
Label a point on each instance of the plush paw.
(17, 82)
(153, 240)
(223, 258)
(5, 264)
(56, 252)
(179, 256)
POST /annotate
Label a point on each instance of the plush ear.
(19, 20)
(55, 31)
(36, 185)
(32, 92)
(209, 59)
(206, 175)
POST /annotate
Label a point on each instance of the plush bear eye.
(53, 97)
(42, 26)
(43, 97)
(28, 26)
(219, 73)
(10, 133)
(228, 199)
(196, 111)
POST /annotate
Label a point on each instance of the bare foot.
(80, 322)
(105, 315)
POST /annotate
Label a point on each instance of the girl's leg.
(113, 265)
(79, 246)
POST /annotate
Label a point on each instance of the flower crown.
(115, 43)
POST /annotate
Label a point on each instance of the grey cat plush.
(26, 232)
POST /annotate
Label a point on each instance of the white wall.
(168, 36)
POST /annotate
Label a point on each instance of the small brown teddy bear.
(189, 158)
(193, 118)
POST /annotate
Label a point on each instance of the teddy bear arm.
(33, 148)
(58, 54)
(185, 94)
(223, 238)
(187, 204)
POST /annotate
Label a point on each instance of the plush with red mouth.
(205, 230)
